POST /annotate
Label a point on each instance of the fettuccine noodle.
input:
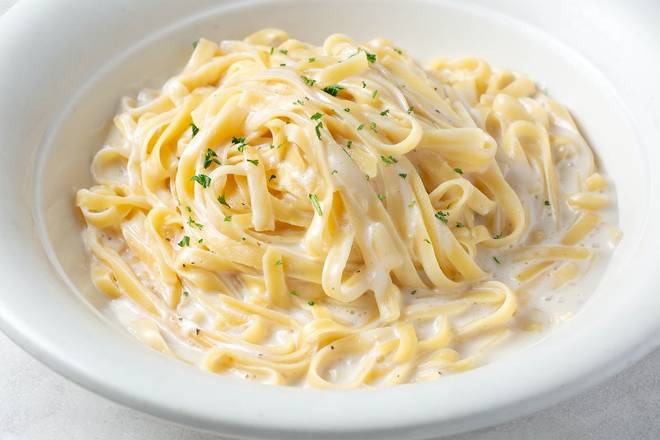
(336, 216)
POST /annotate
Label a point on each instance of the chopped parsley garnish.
(498, 236)
(413, 292)
(334, 172)
(372, 125)
(349, 144)
(442, 216)
(410, 110)
(333, 90)
(389, 160)
(202, 179)
(347, 110)
(210, 157)
(283, 65)
(254, 162)
(284, 51)
(294, 293)
(316, 116)
(318, 128)
(185, 241)
(228, 218)
(310, 82)
(299, 102)
(315, 203)
(381, 197)
(240, 141)
(195, 43)
(311, 60)
(194, 128)
(496, 260)
(311, 302)
(547, 203)
(460, 225)
(374, 94)
(403, 175)
(384, 112)
(185, 293)
(364, 84)
(222, 201)
(278, 263)
(272, 49)
(360, 127)
(371, 57)
(272, 176)
(194, 224)
(397, 50)
(427, 240)
(412, 203)
(200, 240)
(458, 170)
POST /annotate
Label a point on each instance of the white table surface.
(38, 404)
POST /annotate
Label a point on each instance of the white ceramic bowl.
(63, 68)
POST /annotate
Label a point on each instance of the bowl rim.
(37, 343)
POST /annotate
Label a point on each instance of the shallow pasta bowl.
(63, 69)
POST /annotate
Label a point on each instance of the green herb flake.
(210, 157)
(237, 140)
(385, 112)
(228, 218)
(283, 65)
(349, 144)
(334, 172)
(381, 197)
(311, 60)
(317, 129)
(254, 162)
(547, 203)
(272, 49)
(413, 292)
(371, 57)
(315, 203)
(397, 50)
(389, 160)
(284, 51)
(310, 82)
(272, 176)
(194, 224)
(194, 129)
(202, 179)
(374, 94)
(458, 170)
(195, 43)
(403, 175)
(495, 259)
(222, 201)
(442, 216)
(278, 263)
(412, 204)
(427, 240)
(200, 240)
(316, 116)
(333, 90)
(299, 102)
(294, 293)
(185, 241)
(460, 225)
(347, 110)
(364, 84)
(185, 293)
(372, 126)
(360, 127)
(311, 302)
(497, 236)
(410, 110)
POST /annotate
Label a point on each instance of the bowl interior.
(103, 357)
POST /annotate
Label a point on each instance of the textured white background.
(37, 404)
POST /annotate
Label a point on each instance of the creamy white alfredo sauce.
(337, 216)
